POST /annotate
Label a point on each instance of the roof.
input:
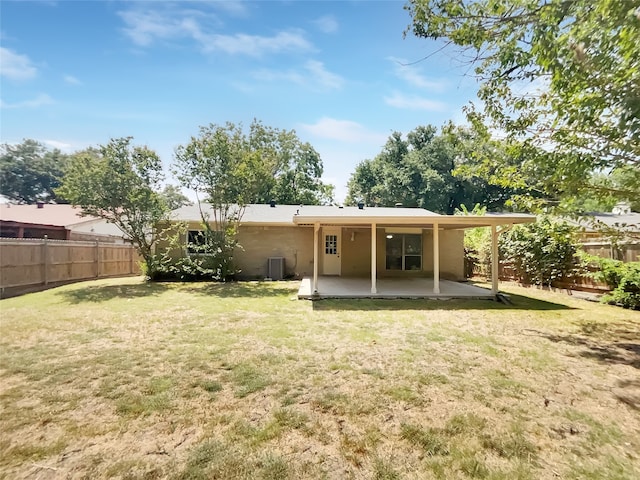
(48, 214)
(590, 222)
(264, 214)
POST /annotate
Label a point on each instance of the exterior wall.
(295, 244)
(356, 253)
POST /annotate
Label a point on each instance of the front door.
(331, 256)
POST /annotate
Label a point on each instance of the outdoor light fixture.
(389, 236)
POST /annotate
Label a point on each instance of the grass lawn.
(122, 379)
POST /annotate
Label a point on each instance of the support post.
(495, 260)
(436, 258)
(316, 232)
(374, 258)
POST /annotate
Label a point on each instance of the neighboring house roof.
(264, 214)
(55, 215)
(48, 214)
(630, 219)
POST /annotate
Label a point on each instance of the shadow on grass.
(519, 302)
(249, 289)
(605, 342)
(103, 293)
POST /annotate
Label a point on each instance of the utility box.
(275, 268)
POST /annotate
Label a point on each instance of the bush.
(541, 252)
(622, 278)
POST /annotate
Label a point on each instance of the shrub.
(541, 252)
(622, 278)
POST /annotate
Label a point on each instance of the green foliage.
(174, 197)
(560, 78)
(30, 173)
(429, 171)
(477, 242)
(228, 165)
(541, 252)
(119, 183)
(623, 279)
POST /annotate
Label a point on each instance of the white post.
(436, 258)
(316, 231)
(495, 260)
(374, 258)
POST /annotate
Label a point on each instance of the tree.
(429, 171)
(173, 197)
(119, 182)
(30, 173)
(542, 252)
(561, 78)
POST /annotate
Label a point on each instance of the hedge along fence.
(36, 264)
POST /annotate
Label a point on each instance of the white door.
(331, 248)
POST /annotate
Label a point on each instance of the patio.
(346, 287)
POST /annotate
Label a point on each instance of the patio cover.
(408, 217)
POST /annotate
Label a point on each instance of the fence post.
(45, 260)
(97, 255)
(131, 259)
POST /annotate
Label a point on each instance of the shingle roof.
(284, 214)
(49, 214)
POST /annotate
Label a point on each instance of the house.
(598, 229)
(366, 243)
(56, 222)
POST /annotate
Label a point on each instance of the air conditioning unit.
(275, 268)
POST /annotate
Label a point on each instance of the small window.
(404, 251)
(197, 242)
(331, 244)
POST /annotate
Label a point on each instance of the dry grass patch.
(123, 379)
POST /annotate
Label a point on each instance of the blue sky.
(76, 74)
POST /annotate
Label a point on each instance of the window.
(331, 244)
(404, 251)
(197, 243)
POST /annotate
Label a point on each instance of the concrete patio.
(346, 287)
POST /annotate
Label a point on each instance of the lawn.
(123, 379)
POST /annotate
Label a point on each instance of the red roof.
(49, 214)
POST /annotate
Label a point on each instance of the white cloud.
(312, 75)
(326, 24)
(412, 75)
(145, 27)
(39, 101)
(414, 102)
(65, 147)
(71, 80)
(16, 66)
(254, 45)
(343, 131)
(323, 76)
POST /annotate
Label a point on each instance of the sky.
(342, 74)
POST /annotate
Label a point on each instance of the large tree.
(230, 168)
(30, 173)
(119, 182)
(561, 78)
(430, 171)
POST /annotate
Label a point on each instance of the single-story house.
(367, 243)
(597, 228)
(56, 222)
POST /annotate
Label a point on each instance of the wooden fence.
(36, 264)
